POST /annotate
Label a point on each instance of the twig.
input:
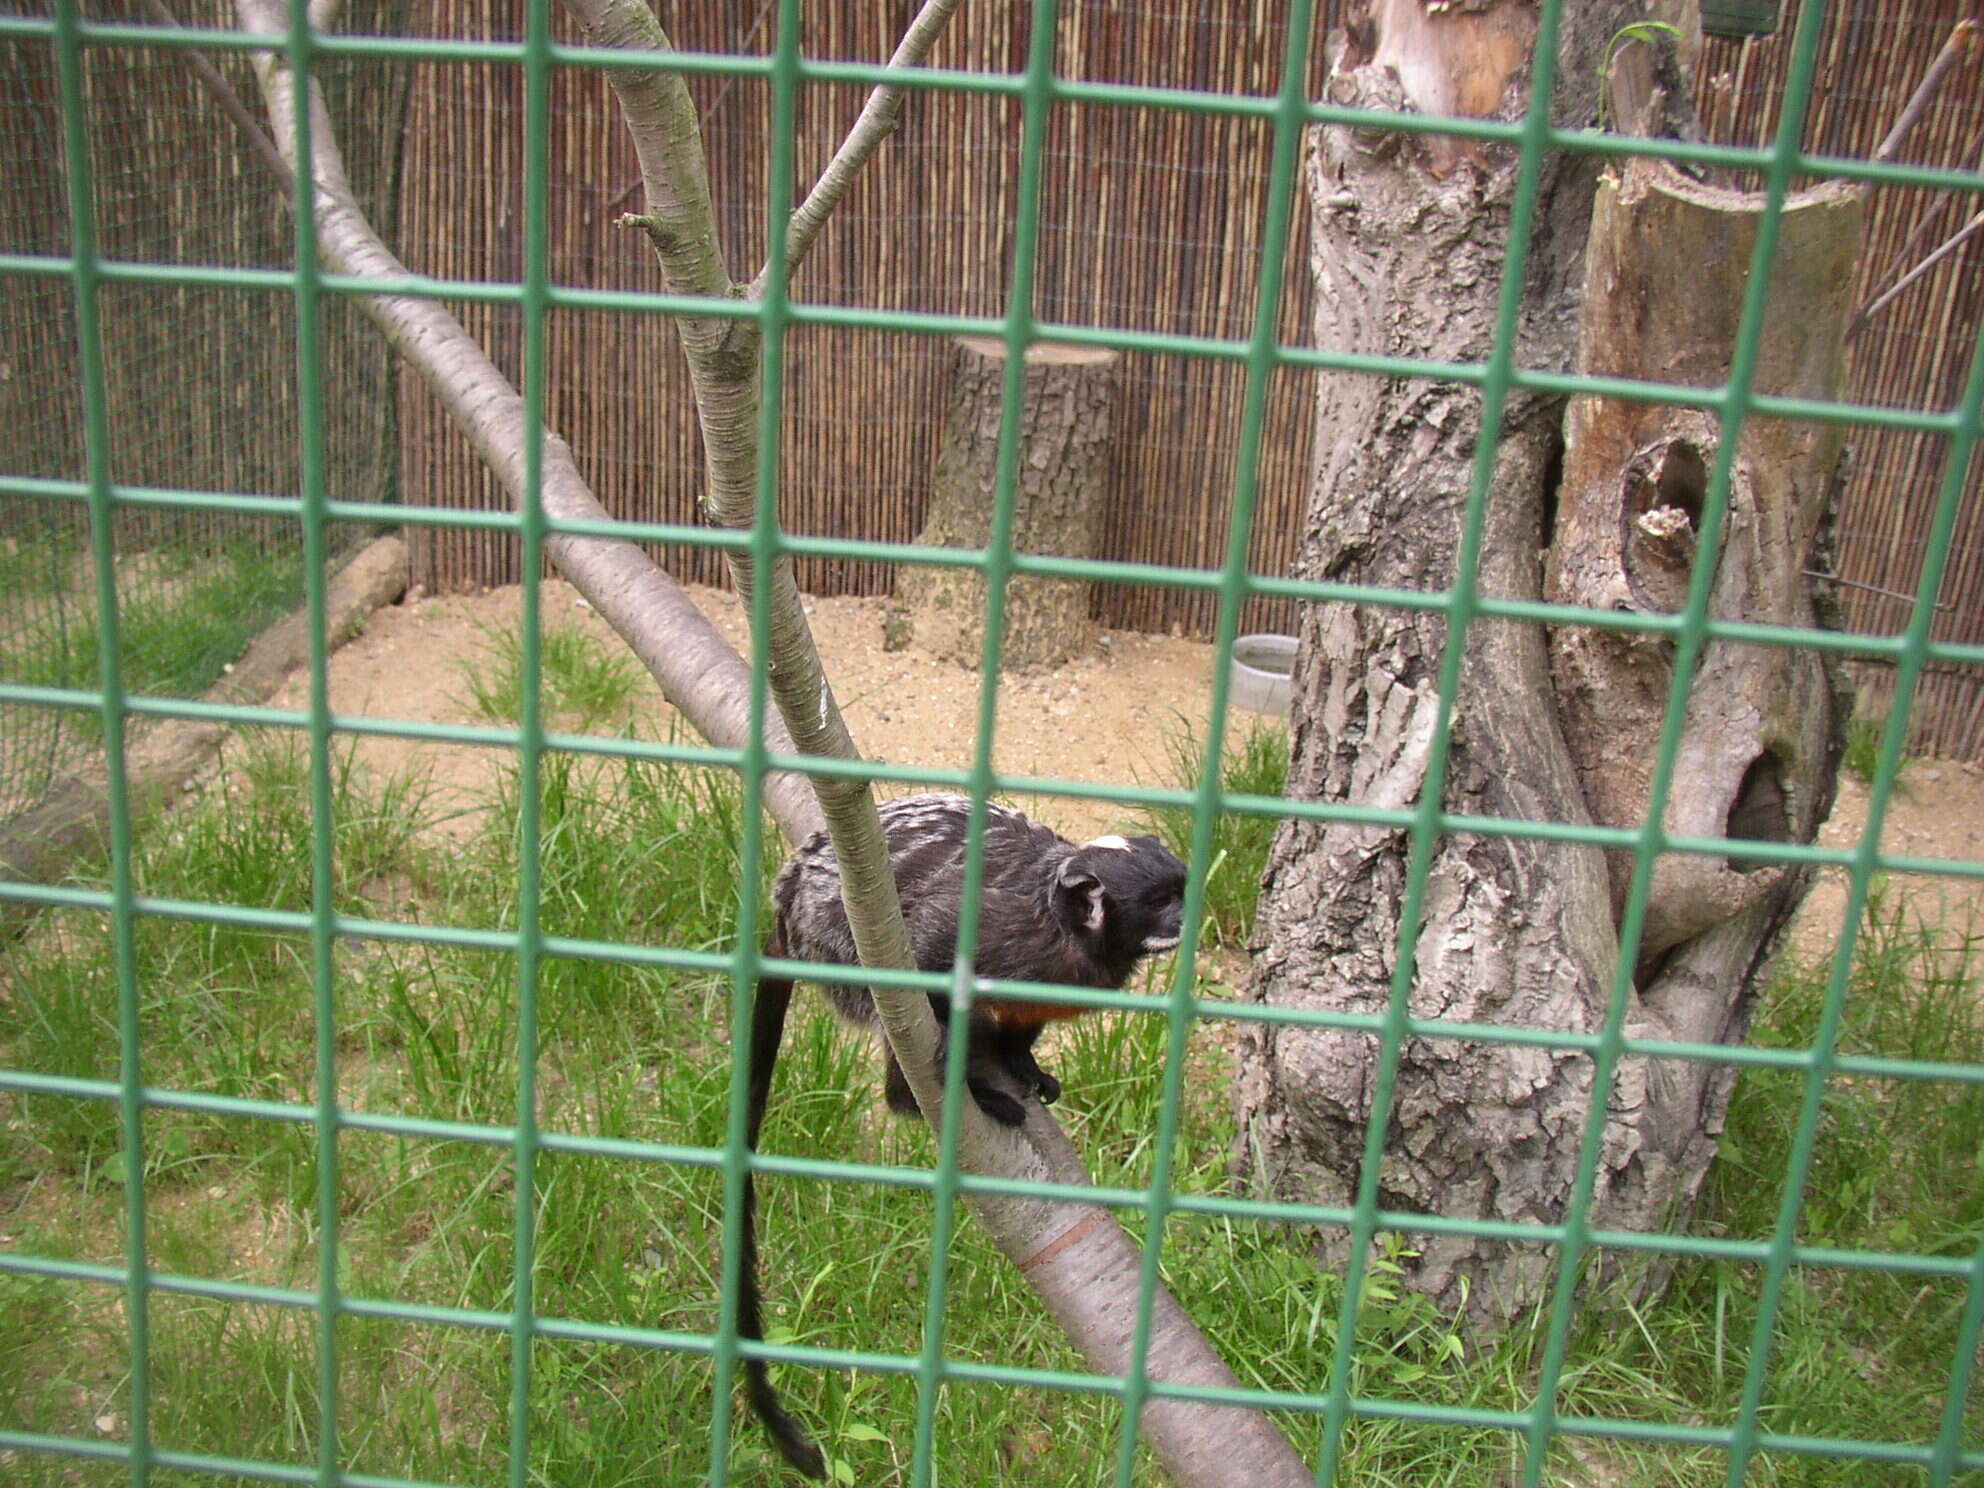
(879, 116)
(252, 134)
(1950, 245)
(1972, 150)
(1833, 578)
(1962, 40)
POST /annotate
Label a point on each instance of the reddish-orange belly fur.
(1032, 1014)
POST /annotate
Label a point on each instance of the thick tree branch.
(697, 669)
(1079, 1260)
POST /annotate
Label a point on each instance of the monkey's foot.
(995, 1103)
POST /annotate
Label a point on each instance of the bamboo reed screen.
(1150, 221)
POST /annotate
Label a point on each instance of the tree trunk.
(1067, 420)
(1407, 246)
(1755, 758)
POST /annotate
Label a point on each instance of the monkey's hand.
(997, 1104)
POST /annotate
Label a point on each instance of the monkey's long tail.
(767, 1031)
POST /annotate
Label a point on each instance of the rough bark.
(72, 821)
(1407, 248)
(1067, 421)
(1754, 754)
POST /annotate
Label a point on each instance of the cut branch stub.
(1754, 750)
(1067, 425)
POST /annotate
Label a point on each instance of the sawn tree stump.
(1067, 419)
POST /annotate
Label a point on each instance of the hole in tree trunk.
(1666, 485)
(1758, 814)
(1681, 480)
(1553, 480)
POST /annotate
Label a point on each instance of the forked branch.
(1075, 1255)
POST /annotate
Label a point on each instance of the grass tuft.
(1254, 762)
(1863, 747)
(589, 683)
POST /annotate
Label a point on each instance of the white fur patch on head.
(1112, 842)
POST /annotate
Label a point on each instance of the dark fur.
(1052, 912)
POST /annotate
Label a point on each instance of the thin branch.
(211, 78)
(1874, 307)
(698, 670)
(1905, 254)
(1962, 41)
(878, 120)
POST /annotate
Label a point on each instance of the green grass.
(645, 854)
(1254, 762)
(184, 613)
(1863, 747)
(592, 685)
(181, 617)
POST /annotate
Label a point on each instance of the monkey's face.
(1128, 897)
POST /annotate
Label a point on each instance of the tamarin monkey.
(1050, 912)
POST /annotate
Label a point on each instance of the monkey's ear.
(1080, 895)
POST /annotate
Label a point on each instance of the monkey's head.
(1123, 897)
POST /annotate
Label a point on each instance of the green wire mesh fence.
(79, 276)
(197, 384)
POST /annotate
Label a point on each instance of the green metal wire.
(1017, 331)
(530, 939)
(1461, 609)
(1652, 837)
(323, 970)
(1037, 90)
(1825, 1058)
(1283, 172)
(765, 550)
(130, 1033)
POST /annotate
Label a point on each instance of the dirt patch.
(1111, 716)
(1937, 811)
(1108, 717)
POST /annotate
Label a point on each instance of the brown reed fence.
(199, 380)
(1150, 220)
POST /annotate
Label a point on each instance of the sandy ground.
(1111, 716)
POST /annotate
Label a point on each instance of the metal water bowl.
(1258, 673)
